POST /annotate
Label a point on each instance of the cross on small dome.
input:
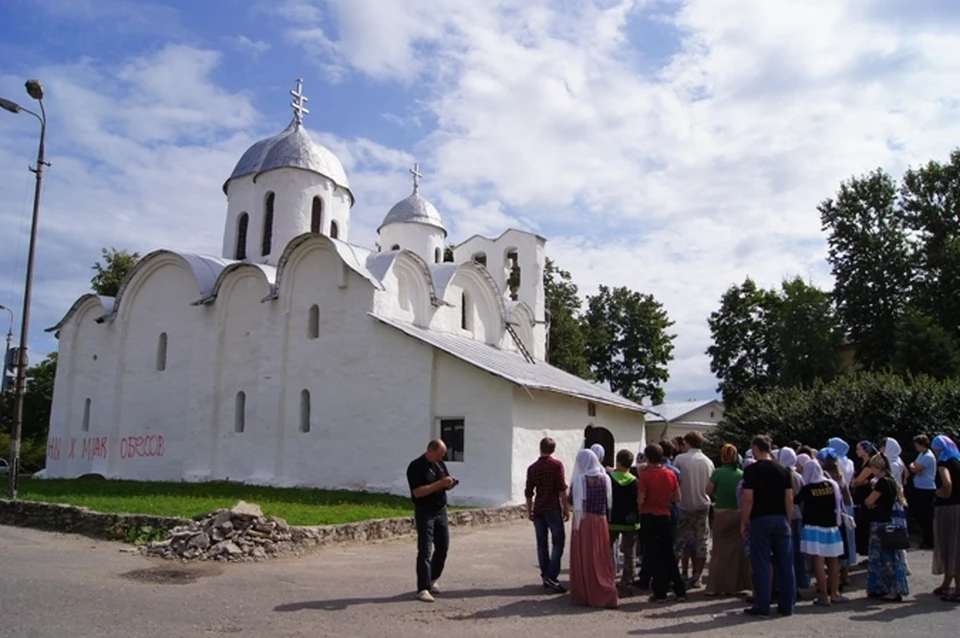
(298, 103)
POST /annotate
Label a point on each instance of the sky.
(671, 146)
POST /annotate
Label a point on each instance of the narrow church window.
(316, 216)
(481, 258)
(436, 255)
(451, 433)
(85, 424)
(305, 411)
(162, 352)
(334, 230)
(513, 274)
(242, 223)
(240, 413)
(464, 311)
(591, 408)
(313, 322)
(267, 225)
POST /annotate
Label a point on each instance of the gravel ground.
(56, 585)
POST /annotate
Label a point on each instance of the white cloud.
(678, 181)
(255, 47)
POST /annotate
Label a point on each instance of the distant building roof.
(675, 411)
(512, 366)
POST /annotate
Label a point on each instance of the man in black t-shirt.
(767, 497)
(429, 481)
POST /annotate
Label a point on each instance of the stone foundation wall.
(79, 520)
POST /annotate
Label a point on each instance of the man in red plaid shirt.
(548, 511)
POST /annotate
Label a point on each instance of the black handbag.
(894, 538)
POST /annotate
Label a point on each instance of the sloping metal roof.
(673, 411)
(291, 148)
(512, 366)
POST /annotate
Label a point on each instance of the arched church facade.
(295, 356)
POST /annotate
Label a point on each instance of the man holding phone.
(429, 481)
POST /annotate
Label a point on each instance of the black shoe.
(554, 585)
(755, 613)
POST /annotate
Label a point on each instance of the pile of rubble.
(239, 534)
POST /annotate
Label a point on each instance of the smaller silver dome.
(414, 210)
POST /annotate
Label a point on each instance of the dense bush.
(854, 407)
(33, 455)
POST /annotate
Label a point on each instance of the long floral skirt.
(592, 579)
(886, 573)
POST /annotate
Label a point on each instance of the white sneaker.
(425, 597)
(434, 589)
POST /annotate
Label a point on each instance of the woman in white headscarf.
(592, 577)
(598, 450)
(788, 459)
(820, 537)
(899, 471)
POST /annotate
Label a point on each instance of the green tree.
(744, 354)
(930, 201)
(807, 333)
(37, 399)
(566, 342)
(870, 259)
(924, 347)
(628, 345)
(109, 274)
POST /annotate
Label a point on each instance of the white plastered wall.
(425, 240)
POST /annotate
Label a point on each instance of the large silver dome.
(416, 210)
(292, 148)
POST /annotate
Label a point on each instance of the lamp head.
(7, 105)
(35, 89)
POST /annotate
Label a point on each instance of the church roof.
(414, 209)
(512, 366)
(292, 148)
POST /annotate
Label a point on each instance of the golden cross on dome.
(298, 103)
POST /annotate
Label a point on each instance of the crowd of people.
(771, 521)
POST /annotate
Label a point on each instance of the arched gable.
(204, 268)
(414, 292)
(267, 273)
(300, 244)
(81, 306)
(520, 316)
(481, 284)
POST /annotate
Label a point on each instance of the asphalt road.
(56, 585)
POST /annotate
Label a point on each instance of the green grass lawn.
(298, 506)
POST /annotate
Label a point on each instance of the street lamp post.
(34, 90)
(6, 351)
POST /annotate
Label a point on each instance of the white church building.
(297, 358)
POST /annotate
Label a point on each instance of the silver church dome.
(414, 209)
(292, 148)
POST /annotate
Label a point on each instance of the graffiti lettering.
(53, 449)
(94, 448)
(73, 444)
(146, 446)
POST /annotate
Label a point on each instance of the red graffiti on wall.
(141, 446)
(53, 449)
(94, 448)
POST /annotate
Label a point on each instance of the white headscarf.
(787, 458)
(813, 474)
(597, 449)
(892, 449)
(587, 464)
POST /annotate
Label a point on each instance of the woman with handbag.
(886, 574)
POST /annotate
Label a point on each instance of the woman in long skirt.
(729, 569)
(592, 578)
(946, 518)
(886, 573)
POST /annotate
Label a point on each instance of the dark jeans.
(433, 541)
(799, 558)
(921, 508)
(658, 539)
(770, 536)
(551, 522)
